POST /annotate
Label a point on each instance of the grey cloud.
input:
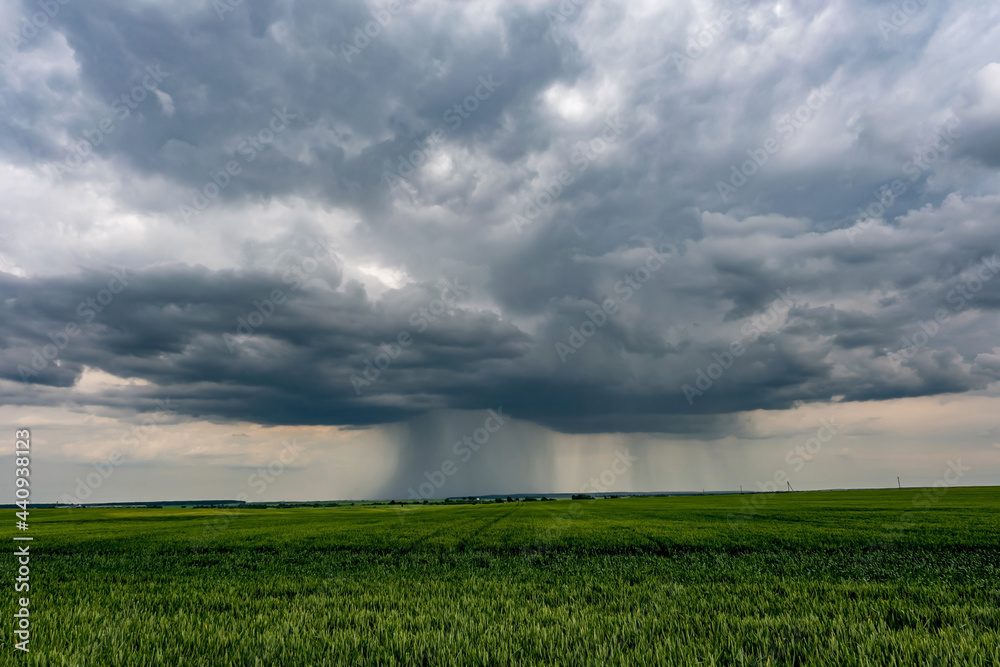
(785, 228)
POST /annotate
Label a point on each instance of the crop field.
(895, 577)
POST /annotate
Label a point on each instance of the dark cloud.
(824, 108)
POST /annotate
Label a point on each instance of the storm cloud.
(604, 217)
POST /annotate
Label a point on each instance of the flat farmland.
(893, 577)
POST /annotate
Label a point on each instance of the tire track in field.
(488, 522)
(476, 524)
(432, 532)
(661, 546)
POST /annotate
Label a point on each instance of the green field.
(900, 577)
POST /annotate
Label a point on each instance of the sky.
(419, 249)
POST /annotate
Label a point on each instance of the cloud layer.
(603, 217)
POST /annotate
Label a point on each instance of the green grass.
(831, 578)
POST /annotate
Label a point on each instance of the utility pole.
(898, 483)
(741, 489)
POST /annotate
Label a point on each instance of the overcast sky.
(662, 242)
